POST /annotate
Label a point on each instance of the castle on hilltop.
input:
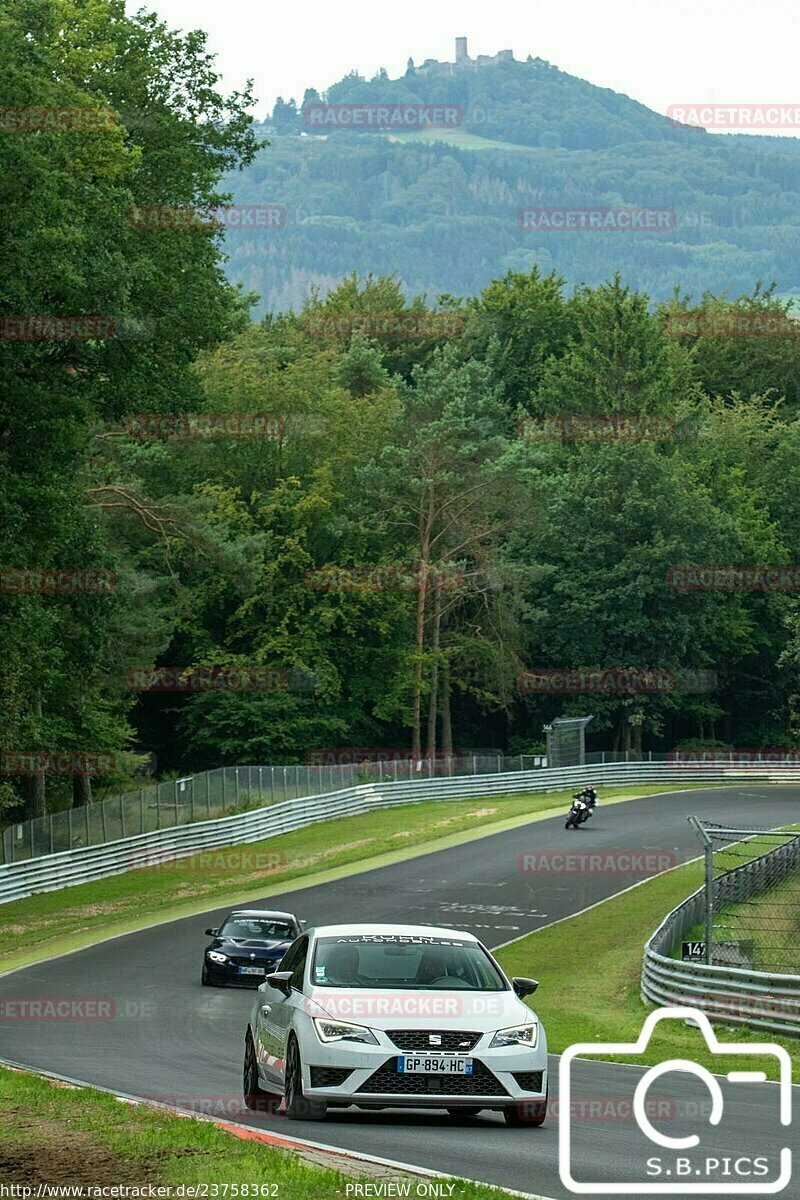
(463, 61)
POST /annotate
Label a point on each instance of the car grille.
(419, 1039)
(388, 1081)
(529, 1081)
(253, 962)
(325, 1077)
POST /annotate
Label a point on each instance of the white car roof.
(370, 928)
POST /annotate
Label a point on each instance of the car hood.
(405, 1009)
(250, 945)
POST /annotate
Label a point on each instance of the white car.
(384, 1016)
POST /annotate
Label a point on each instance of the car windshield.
(406, 961)
(257, 927)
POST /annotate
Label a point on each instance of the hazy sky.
(727, 51)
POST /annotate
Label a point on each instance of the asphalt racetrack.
(170, 1038)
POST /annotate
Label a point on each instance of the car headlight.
(517, 1035)
(343, 1031)
(215, 956)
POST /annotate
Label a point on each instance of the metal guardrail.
(81, 865)
(227, 790)
(731, 994)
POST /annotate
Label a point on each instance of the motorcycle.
(580, 812)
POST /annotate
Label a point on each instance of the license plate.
(253, 970)
(433, 1064)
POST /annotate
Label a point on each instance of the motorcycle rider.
(588, 796)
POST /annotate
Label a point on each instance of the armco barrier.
(71, 867)
(731, 994)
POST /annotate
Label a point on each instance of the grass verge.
(86, 1138)
(52, 923)
(590, 966)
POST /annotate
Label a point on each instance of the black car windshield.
(258, 927)
(405, 961)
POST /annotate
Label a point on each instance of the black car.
(248, 945)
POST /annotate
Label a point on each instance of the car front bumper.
(229, 974)
(504, 1077)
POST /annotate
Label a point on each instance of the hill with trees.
(439, 207)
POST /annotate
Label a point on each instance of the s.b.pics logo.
(680, 1154)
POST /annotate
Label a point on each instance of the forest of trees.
(420, 455)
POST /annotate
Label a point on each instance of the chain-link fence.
(221, 792)
(235, 789)
(751, 898)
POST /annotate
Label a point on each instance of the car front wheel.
(298, 1108)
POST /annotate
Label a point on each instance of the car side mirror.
(524, 987)
(212, 932)
(281, 980)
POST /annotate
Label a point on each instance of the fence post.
(285, 786)
(224, 773)
(141, 810)
(69, 829)
(208, 794)
(86, 812)
(51, 833)
(121, 819)
(709, 903)
(103, 820)
(158, 806)
(236, 783)
(272, 785)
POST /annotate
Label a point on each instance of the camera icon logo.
(677, 1171)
